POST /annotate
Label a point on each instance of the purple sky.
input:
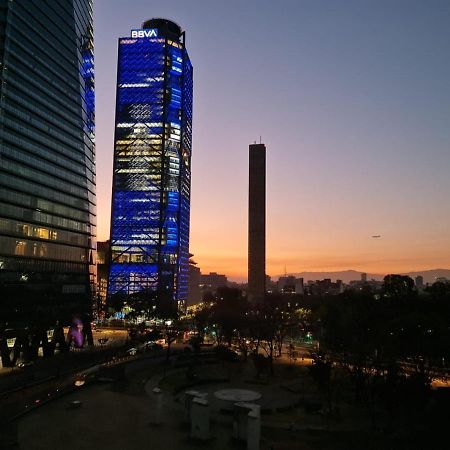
(352, 99)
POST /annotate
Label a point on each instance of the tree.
(389, 345)
(398, 286)
(320, 371)
(117, 301)
(292, 354)
(170, 331)
(228, 313)
(202, 319)
(269, 324)
(439, 290)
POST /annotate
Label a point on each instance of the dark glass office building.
(152, 163)
(47, 161)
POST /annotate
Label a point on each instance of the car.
(25, 364)
(102, 341)
(75, 404)
(152, 345)
(227, 354)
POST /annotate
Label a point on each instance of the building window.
(20, 248)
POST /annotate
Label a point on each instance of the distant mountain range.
(429, 276)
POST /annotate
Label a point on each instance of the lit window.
(43, 233)
(20, 248)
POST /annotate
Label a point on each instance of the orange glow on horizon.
(229, 256)
(357, 142)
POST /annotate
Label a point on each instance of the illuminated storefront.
(152, 154)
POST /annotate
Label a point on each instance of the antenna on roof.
(260, 140)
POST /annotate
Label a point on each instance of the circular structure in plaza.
(237, 395)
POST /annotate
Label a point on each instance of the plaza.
(120, 414)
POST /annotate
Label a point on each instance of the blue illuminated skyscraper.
(152, 163)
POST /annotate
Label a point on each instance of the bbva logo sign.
(150, 32)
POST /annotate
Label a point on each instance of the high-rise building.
(47, 161)
(194, 292)
(212, 281)
(299, 286)
(287, 284)
(152, 164)
(419, 282)
(103, 259)
(271, 286)
(257, 222)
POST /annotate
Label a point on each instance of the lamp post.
(168, 336)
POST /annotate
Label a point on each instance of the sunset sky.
(351, 98)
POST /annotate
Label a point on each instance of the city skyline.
(307, 302)
(354, 104)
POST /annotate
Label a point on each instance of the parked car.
(152, 346)
(23, 364)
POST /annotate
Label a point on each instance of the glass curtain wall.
(151, 185)
(47, 160)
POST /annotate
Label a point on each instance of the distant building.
(364, 277)
(290, 285)
(299, 287)
(419, 282)
(324, 287)
(360, 285)
(286, 284)
(271, 286)
(236, 285)
(194, 291)
(257, 222)
(212, 281)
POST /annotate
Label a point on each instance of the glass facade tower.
(47, 160)
(152, 163)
